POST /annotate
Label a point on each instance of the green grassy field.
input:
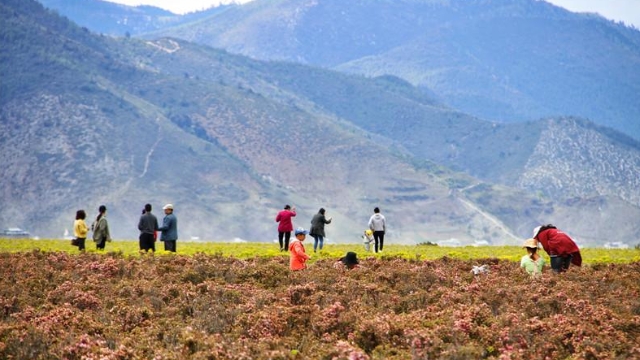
(250, 250)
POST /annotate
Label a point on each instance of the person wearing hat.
(285, 226)
(532, 262)
(367, 239)
(349, 261)
(317, 229)
(298, 257)
(169, 229)
(561, 248)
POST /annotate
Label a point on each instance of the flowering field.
(228, 303)
(250, 250)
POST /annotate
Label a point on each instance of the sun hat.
(536, 231)
(301, 231)
(530, 243)
(168, 206)
(368, 232)
(350, 259)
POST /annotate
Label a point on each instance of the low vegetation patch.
(217, 305)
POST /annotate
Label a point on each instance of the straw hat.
(530, 243)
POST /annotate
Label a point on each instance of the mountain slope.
(121, 20)
(230, 140)
(124, 122)
(502, 60)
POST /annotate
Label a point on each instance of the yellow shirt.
(80, 229)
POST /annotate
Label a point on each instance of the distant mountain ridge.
(502, 60)
(121, 20)
(88, 119)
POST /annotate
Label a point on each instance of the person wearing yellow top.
(80, 229)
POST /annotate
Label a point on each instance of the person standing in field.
(562, 250)
(317, 229)
(148, 225)
(80, 229)
(285, 226)
(169, 229)
(378, 224)
(297, 255)
(532, 262)
(100, 228)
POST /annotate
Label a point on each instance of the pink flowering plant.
(108, 306)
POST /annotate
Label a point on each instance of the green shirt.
(532, 267)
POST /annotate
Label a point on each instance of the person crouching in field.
(298, 257)
(348, 262)
(561, 248)
(80, 229)
(532, 262)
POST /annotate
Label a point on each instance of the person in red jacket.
(298, 257)
(285, 226)
(561, 248)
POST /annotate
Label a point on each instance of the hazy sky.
(619, 10)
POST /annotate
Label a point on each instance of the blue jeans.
(317, 239)
(560, 263)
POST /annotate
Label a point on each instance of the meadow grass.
(335, 251)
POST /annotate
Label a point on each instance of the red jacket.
(298, 256)
(557, 243)
(284, 218)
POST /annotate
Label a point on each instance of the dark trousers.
(560, 263)
(286, 235)
(170, 245)
(378, 237)
(100, 244)
(81, 243)
(147, 242)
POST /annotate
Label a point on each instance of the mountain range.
(504, 60)
(88, 119)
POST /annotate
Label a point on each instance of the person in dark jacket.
(169, 229)
(148, 225)
(559, 246)
(317, 228)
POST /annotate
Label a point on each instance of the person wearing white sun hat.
(562, 250)
(169, 229)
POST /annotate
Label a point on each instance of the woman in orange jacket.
(298, 257)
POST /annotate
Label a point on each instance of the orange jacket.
(298, 256)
